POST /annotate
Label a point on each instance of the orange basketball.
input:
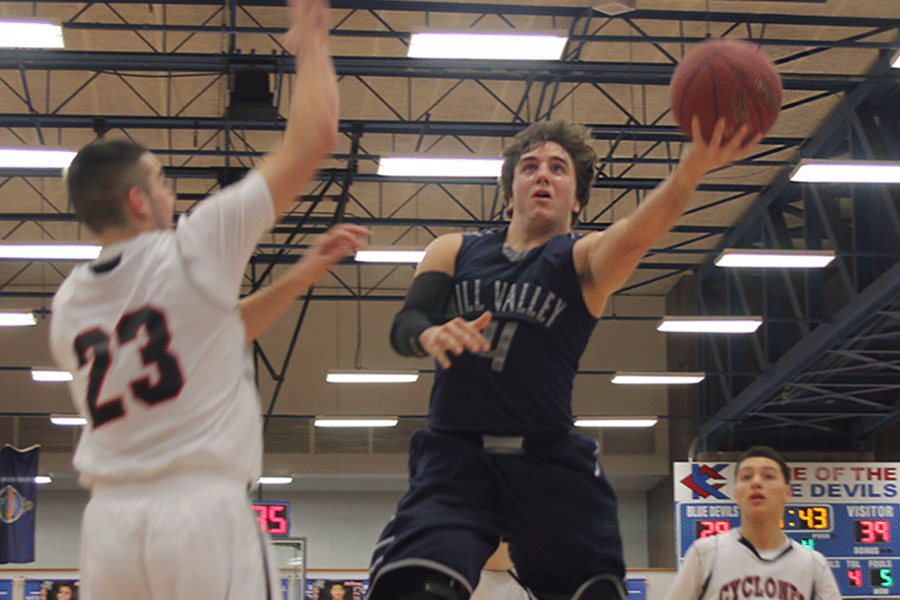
(730, 79)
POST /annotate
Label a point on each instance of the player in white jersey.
(756, 560)
(155, 336)
(498, 580)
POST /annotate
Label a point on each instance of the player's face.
(544, 185)
(760, 487)
(161, 199)
(337, 592)
(64, 593)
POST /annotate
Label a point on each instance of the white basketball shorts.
(179, 538)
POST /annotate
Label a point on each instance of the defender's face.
(760, 488)
(161, 198)
(544, 184)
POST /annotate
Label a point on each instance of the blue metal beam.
(352, 66)
(874, 298)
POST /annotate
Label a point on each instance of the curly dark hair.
(99, 178)
(572, 137)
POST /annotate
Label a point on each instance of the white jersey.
(727, 567)
(498, 585)
(153, 335)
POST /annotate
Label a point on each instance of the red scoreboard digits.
(872, 531)
(273, 517)
(708, 528)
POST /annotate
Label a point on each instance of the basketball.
(726, 78)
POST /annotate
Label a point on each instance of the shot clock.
(273, 517)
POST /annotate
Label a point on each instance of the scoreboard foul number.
(850, 512)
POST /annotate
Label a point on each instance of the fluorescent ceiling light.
(50, 375)
(274, 480)
(439, 167)
(782, 259)
(356, 422)
(42, 480)
(710, 324)
(846, 171)
(614, 422)
(49, 251)
(68, 420)
(17, 319)
(490, 46)
(390, 256)
(30, 34)
(20, 158)
(371, 377)
(625, 378)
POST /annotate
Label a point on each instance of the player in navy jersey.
(507, 314)
(155, 335)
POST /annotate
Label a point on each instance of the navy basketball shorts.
(550, 501)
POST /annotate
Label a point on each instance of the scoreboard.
(850, 512)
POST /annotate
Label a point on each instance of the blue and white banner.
(18, 496)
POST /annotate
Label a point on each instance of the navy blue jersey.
(539, 330)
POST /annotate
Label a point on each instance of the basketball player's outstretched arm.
(430, 287)
(311, 130)
(605, 260)
(263, 307)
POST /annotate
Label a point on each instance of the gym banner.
(18, 468)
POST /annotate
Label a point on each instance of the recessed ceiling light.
(625, 378)
(275, 480)
(486, 46)
(355, 421)
(709, 324)
(17, 319)
(372, 376)
(615, 422)
(49, 251)
(371, 255)
(774, 259)
(401, 166)
(35, 158)
(30, 34)
(68, 420)
(846, 171)
(50, 375)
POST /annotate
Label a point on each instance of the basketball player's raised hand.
(263, 307)
(311, 130)
(455, 337)
(309, 27)
(332, 247)
(308, 40)
(701, 157)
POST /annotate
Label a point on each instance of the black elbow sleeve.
(425, 305)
